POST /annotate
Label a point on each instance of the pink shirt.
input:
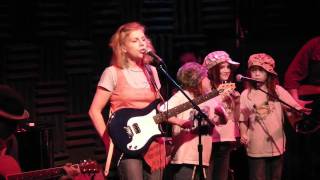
(130, 89)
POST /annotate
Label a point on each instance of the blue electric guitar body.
(132, 130)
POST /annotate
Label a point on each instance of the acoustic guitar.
(10, 170)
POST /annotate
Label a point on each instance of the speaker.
(35, 148)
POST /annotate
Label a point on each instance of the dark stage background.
(53, 53)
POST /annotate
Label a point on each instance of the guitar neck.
(38, 174)
(185, 106)
(307, 90)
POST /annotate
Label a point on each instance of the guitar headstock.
(86, 167)
(226, 87)
(89, 167)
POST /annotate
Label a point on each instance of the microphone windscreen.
(239, 77)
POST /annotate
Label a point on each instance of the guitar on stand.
(309, 123)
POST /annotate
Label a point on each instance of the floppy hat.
(217, 57)
(11, 104)
(262, 60)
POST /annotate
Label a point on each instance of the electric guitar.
(309, 123)
(132, 130)
(85, 167)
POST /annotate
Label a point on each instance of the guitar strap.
(150, 76)
(157, 148)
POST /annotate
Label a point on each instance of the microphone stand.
(200, 116)
(278, 99)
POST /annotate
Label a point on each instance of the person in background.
(184, 57)
(302, 80)
(262, 117)
(185, 156)
(220, 71)
(12, 112)
(187, 56)
(304, 72)
(130, 82)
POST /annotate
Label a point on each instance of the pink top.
(229, 131)
(226, 132)
(130, 88)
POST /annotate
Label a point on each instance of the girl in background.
(185, 155)
(221, 70)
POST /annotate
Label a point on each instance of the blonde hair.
(119, 59)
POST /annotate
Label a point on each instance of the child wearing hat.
(185, 156)
(220, 71)
(261, 119)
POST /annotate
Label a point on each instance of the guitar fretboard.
(38, 174)
(182, 107)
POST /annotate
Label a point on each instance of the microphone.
(241, 78)
(154, 56)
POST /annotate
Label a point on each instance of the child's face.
(224, 71)
(258, 73)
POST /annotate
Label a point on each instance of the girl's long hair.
(214, 75)
(271, 83)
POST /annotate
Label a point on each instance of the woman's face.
(224, 71)
(135, 45)
(258, 73)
